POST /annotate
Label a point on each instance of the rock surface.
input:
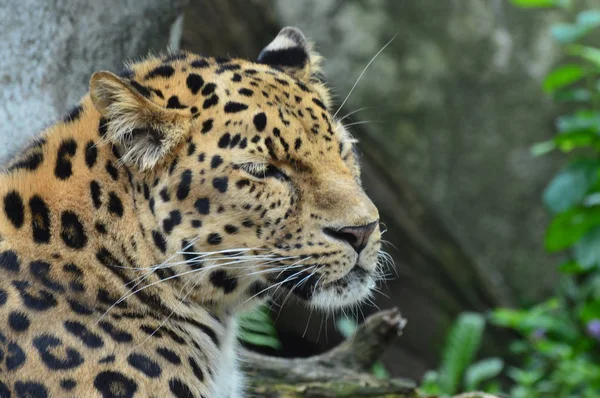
(50, 48)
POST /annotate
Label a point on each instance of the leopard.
(179, 193)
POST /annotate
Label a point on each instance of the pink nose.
(357, 237)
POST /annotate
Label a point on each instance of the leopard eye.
(262, 170)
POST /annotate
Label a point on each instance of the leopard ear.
(145, 131)
(291, 52)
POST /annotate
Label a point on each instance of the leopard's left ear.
(291, 52)
(145, 131)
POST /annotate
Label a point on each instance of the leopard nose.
(356, 236)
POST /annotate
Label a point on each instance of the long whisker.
(347, 115)
(362, 73)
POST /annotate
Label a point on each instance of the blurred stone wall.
(456, 104)
(50, 48)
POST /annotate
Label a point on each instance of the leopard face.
(247, 175)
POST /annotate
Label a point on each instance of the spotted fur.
(175, 195)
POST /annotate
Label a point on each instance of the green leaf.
(563, 76)
(542, 148)
(346, 326)
(581, 120)
(572, 268)
(590, 54)
(259, 327)
(566, 142)
(589, 18)
(541, 3)
(260, 340)
(590, 311)
(585, 23)
(482, 371)
(587, 249)
(256, 327)
(573, 95)
(379, 371)
(429, 384)
(461, 346)
(567, 33)
(568, 227)
(569, 187)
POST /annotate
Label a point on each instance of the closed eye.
(263, 170)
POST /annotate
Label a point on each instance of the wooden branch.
(340, 372)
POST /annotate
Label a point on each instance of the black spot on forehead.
(176, 56)
(96, 193)
(183, 189)
(202, 205)
(162, 71)
(228, 67)
(66, 151)
(200, 63)
(234, 107)
(174, 103)
(209, 89)
(207, 126)
(224, 140)
(194, 82)
(31, 162)
(246, 92)
(220, 184)
(126, 73)
(91, 154)
(216, 161)
(73, 114)
(210, 101)
(143, 90)
(260, 121)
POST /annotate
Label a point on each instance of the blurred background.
(478, 126)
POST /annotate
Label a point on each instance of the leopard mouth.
(351, 289)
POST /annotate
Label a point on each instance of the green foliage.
(256, 328)
(559, 344)
(457, 371)
(346, 326)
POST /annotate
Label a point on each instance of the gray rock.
(49, 49)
